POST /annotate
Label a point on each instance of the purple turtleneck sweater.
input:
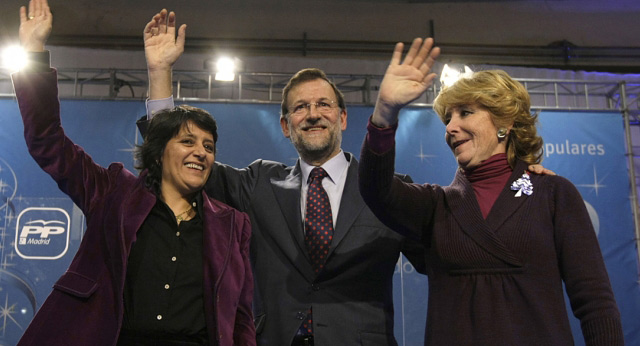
(488, 180)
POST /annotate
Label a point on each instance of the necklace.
(184, 215)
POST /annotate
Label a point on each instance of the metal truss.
(199, 86)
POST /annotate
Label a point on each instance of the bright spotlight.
(14, 58)
(449, 75)
(225, 69)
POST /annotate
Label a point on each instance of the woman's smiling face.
(472, 135)
(187, 160)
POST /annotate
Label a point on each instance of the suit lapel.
(351, 205)
(464, 207)
(287, 193)
(507, 203)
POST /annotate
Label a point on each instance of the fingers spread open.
(397, 54)
(430, 60)
(148, 27)
(181, 35)
(23, 14)
(423, 53)
(45, 9)
(36, 8)
(413, 52)
(31, 9)
(162, 21)
(428, 78)
(171, 24)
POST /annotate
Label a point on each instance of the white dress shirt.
(336, 169)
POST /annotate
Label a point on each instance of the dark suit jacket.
(351, 297)
(86, 305)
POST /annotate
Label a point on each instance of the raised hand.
(161, 46)
(405, 81)
(35, 25)
(162, 49)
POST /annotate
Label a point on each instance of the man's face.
(316, 134)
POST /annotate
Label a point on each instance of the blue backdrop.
(40, 228)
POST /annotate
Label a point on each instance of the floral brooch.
(523, 185)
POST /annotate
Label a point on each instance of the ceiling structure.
(566, 34)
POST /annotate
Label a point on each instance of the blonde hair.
(507, 101)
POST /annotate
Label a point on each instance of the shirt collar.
(335, 167)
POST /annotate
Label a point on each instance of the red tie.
(318, 221)
(318, 224)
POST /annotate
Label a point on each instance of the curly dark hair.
(306, 75)
(162, 127)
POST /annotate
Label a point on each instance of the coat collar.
(507, 203)
(218, 238)
(465, 209)
(217, 232)
(134, 210)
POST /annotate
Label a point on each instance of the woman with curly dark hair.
(501, 242)
(160, 262)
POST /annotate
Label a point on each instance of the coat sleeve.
(236, 186)
(153, 107)
(414, 251)
(582, 268)
(76, 174)
(406, 208)
(244, 332)
(233, 186)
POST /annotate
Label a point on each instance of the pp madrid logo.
(42, 233)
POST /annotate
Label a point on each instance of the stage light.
(224, 66)
(226, 69)
(450, 75)
(14, 58)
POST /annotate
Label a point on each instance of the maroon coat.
(86, 304)
(499, 281)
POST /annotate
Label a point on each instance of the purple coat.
(500, 280)
(86, 303)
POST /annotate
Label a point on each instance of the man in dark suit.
(335, 293)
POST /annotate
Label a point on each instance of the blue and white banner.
(40, 228)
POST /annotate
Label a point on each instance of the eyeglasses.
(323, 107)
